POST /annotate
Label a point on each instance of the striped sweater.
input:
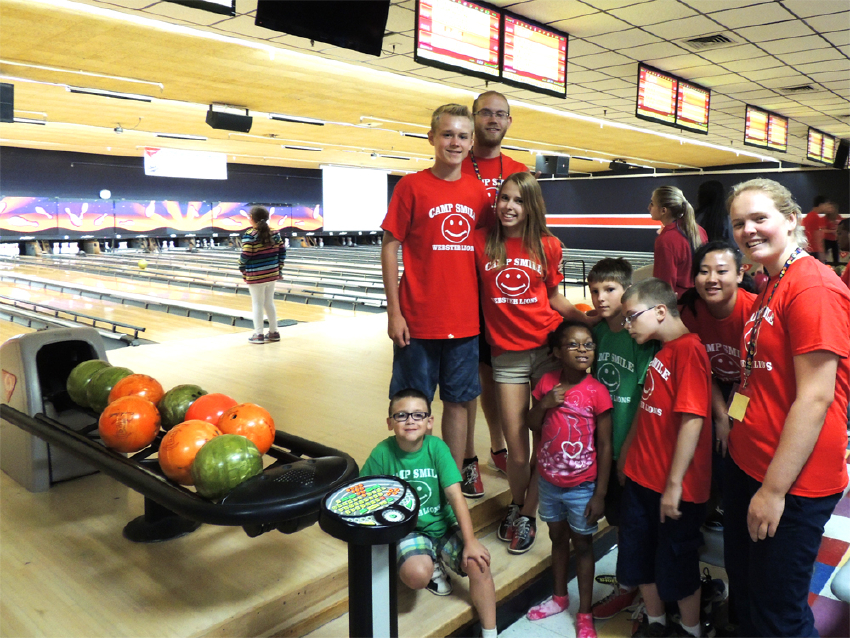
(261, 263)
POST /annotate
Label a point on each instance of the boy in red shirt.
(433, 312)
(668, 463)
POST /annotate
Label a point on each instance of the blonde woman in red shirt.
(677, 240)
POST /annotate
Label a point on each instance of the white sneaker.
(440, 583)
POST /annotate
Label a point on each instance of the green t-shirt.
(621, 365)
(429, 471)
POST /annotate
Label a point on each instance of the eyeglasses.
(499, 115)
(401, 417)
(629, 319)
(572, 345)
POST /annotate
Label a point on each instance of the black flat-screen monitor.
(358, 26)
(533, 56)
(458, 35)
(656, 96)
(756, 126)
(820, 147)
(225, 7)
(692, 107)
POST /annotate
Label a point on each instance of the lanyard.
(478, 172)
(751, 346)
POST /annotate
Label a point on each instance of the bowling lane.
(9, 330)
(285, 309)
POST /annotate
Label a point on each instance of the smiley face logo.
(725, 366)
(649, 384)
(423, 491)
(456, 228)
(609, 376)
(513, 282)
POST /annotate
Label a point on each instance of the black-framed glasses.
(572, 345)
(630, 319)
(499, 115)
(401, 417)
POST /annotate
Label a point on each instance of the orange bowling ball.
(252, 422)
(583, 307)
(139, 385)
(179, 447)
(129, 424)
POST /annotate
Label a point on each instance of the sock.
(466, 462)
(662, 619)
(549, 607)
(504, 450)
(489, 633)
(693, 631)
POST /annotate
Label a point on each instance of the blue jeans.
(769, 580)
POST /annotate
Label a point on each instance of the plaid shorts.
(450, 548)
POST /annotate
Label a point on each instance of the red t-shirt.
(673, 257)
(678, 382)
(434, 220)
(567, 453)
(515, 298)
(845, 276)
(493, 173)
(810, 311)
(813, 223)
(721, 337)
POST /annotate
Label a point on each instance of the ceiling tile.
(601, 60)
(578, 47)
(686, 28)
(764, 33)
(766, 74)
(610, 85)
(805, 57)
(728, 53)
(806, 8)
(653, 12)
(584, 77)
(829, 23)
(828, 77)
(549, 11)
(793, 45)
(838, 38)
(828, 65)
(676, 62)
(621, 40)
(651, 51)
(758, 14)
(712, 6)
(753, 64)
(594, 24)
(697, 73)
(400, 19)
(611, 5)
(622, 71)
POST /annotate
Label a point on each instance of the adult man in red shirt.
(486, 161)
(815, 225)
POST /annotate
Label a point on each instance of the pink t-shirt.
(567, 453)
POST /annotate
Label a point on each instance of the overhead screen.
(353, 198)
(668, 99)
(534, 56)
(458, 35)
(820, 147)
(765, 129)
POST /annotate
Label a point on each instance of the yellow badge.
(738, 407)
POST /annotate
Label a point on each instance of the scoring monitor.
(656, 98)
(534, 57)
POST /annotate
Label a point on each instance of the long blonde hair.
(782, 199)
(533, 231)
(673, 199)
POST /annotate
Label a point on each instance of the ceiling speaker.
(229, 121)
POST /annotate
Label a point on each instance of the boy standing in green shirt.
(444, 533)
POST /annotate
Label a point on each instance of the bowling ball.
(129, 424)
(101, 384)
(179, 447)
(79, 379)
(210, 407)
(143, 264)
(223, 463)
(173, 405)
(251, 421)
(139, 385)
(584, 307)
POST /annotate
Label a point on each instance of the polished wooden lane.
(9, 330)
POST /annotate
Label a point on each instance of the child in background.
(444, 533)
(621, 365)
(572, 412)
(261, 263)
(667, 463)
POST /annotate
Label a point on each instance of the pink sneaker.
(549, 607)
(584, 626)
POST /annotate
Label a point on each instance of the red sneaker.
(614, 603)
(470, 484)
(506, 527)
(499, 461)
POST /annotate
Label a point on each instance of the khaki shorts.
(524, 365)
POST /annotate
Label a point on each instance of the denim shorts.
(426, 363)
(667, 553)
(523, 365)
(449, 548)
(566, 504)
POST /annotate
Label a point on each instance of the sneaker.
(652, 630)
(714, 521)
(273, 336)
(506, 527)
(614, 603)
(713, 594)
(257, 339)
(471, 484)
(547, 608)
(440, 583)
(525, 530)
(499, 461)
(584, 626)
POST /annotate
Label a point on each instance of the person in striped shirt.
(260, 263)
